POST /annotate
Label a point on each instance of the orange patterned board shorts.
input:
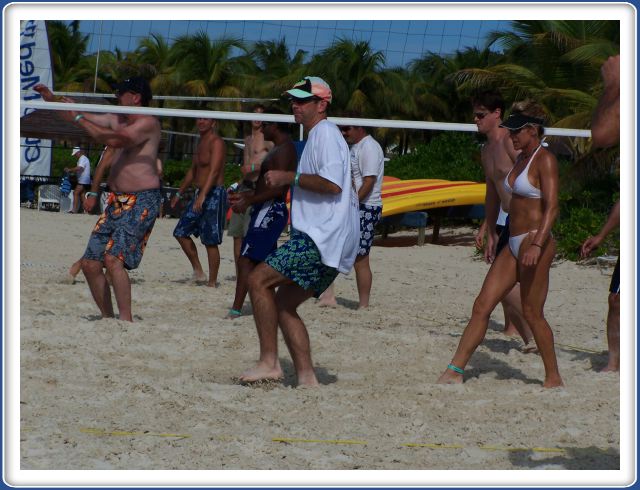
(124, 228)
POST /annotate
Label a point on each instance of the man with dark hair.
(122, 231)
(498, 156)
(204, 216)
(269, 213)
(367, 169)
(324, 236)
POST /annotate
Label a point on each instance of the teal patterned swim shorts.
(299, 260)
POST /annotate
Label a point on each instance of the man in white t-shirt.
(367, 169)
(325, 232)
(83, 171)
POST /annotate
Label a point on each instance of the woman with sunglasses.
(533, 182)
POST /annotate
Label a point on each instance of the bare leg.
(364, 279)
(514, 319)
(77, 199)
(245, 266)
(328, 297)
(288, 298)
(498, 282)
(262, 283)
(190, 250)
(534, 285)
(121, 286)
(98, 286)
(213, 255)
(75, 268)
(613, 333)
(237, 245)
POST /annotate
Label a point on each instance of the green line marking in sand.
(321, 441)
(103, 432)
(427, 445)
(579, 349)
(433, 446)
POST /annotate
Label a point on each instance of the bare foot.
(67, 279)
(261, 372)
(530, 348)
(198, 277)
(610, 369)
(213, 284)
(450, 378)
(331, 302)
(308, 379)
(555, 382)
(233, 314)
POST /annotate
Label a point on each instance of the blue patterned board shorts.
(267, 222)
(124, 227)
(209, 224)
(299, 260)
(369, 218)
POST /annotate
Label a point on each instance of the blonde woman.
(533, 182)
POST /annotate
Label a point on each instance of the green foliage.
(576, 226)
(450, 156)
(175, 170)
(585, 204)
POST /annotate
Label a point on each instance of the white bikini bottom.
(516, 241)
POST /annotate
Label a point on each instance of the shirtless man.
(269, 213)
(255, 150)
(122, 231)
(204, 216)
(605, 131)
(498, 156)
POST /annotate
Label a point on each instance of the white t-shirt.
(332, 221)
(85, 176)
(367, 159)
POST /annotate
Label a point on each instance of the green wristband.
(78, 117)
(296, 181)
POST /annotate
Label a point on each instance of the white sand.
(159, 393)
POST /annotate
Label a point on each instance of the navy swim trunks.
(266, 225)
(299, 259)
(209, 224)
(124, 227)
(369, 218)
(614, 287)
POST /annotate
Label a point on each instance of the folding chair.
(48, 194)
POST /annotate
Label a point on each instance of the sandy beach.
(160, 393)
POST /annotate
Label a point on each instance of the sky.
(400, 40)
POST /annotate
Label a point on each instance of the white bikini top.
(522, 186)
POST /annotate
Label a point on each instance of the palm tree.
(353, 70)
(68, 55)
(155, 53)
(275, 69)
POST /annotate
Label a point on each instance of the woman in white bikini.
(533, 182)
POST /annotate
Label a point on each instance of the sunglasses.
(345, 129)
(480, 115)
(264, 124)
